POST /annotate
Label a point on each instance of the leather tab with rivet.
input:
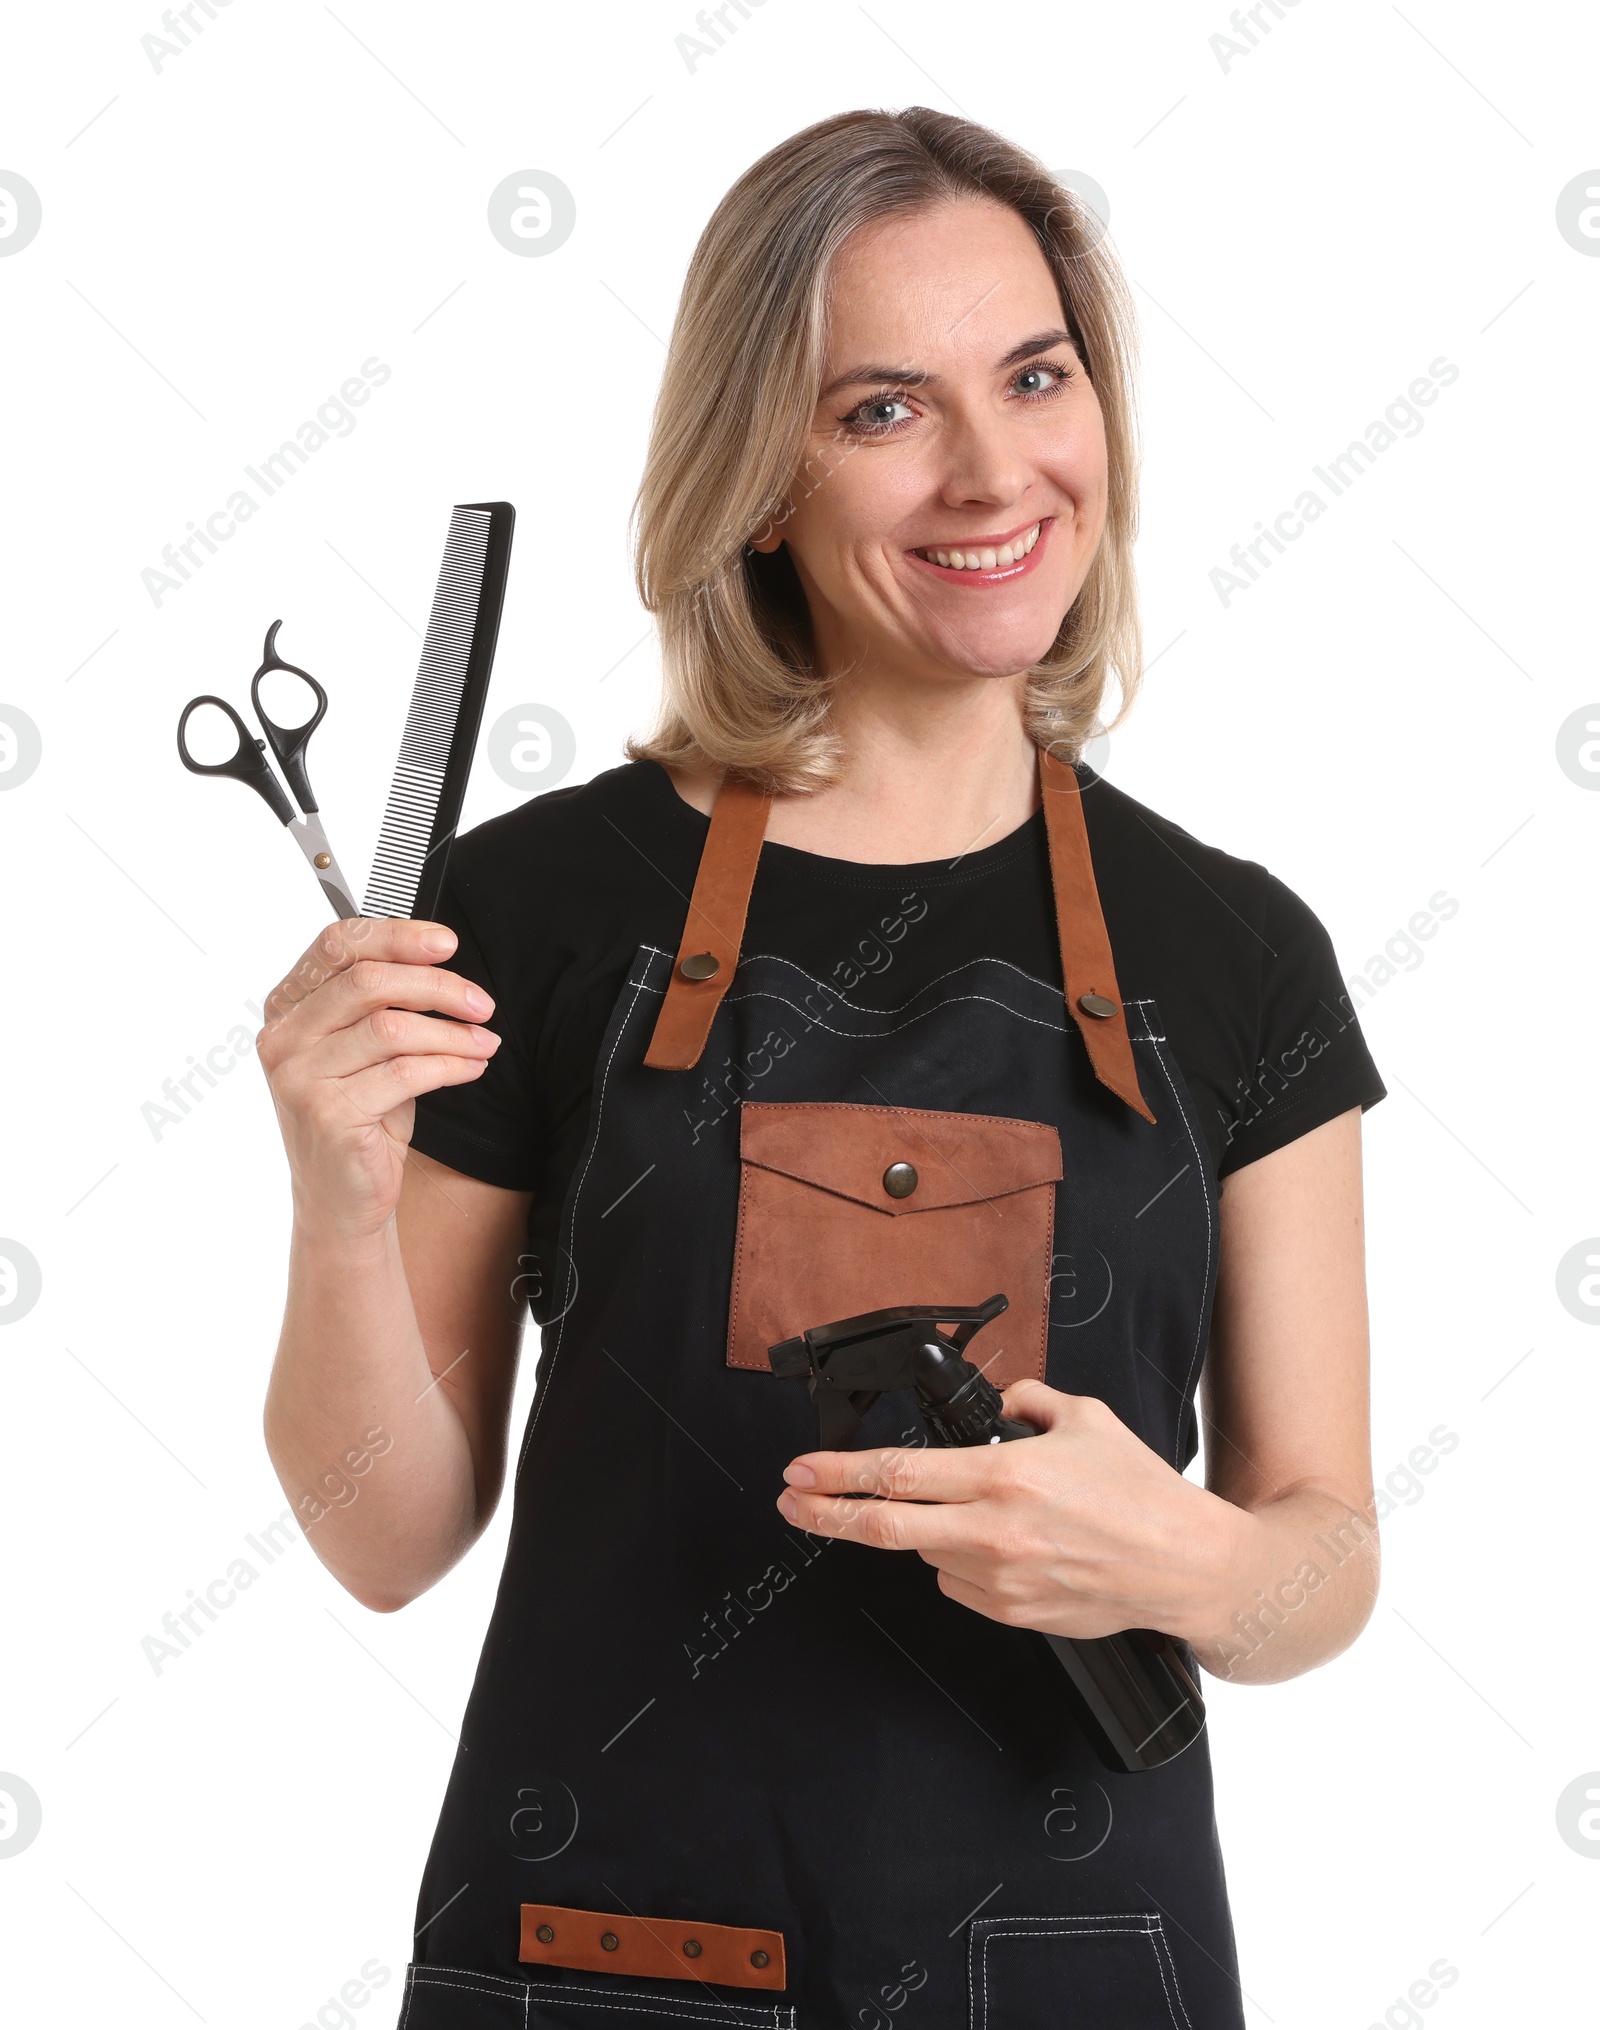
(651, 1948)
(1089, 977)
(714, 928)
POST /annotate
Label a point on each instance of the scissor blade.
(313, 842)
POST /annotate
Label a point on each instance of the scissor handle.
(247, 765)
(289, 742)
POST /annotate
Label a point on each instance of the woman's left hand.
(1081, 1531)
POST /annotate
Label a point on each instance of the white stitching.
(561, 1991)
(464, 1977)
(1163, 1953)
(856, 1008)
(572, 1224)
(474, 1984)
(746, 2019)
(950, 1000)
(735, 2016)
(1144, 1003)
(983, 959)
(1211, 1242)
(1133, 1924)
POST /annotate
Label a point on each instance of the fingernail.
(799, 1474)
(439, 941)
(478, 1002)
(788, 1507)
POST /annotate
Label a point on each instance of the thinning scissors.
(249, 766)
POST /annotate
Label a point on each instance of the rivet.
(545, 1933)
(609, 1940)
(758, 1959)
(900, 1180)
(691, 1947)
(1096, 1004)
(323, 860)
(700, 966)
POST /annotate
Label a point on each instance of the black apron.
(715, 1770)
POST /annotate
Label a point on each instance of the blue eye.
(874, 417)
(869, 423)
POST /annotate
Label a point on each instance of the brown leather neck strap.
(709, 949)
(714, 929)
(1093, 999)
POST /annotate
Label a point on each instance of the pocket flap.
(959, 1159)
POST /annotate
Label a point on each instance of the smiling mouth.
(985, 559)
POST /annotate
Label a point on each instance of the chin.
(1015, 650)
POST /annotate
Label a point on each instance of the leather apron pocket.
(1074, 1973)
(845, 1209)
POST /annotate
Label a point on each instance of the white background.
(224, 241)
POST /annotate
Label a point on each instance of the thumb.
(1036, 1403)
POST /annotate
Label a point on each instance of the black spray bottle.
(1135, 1692)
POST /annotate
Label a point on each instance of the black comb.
(430, 777)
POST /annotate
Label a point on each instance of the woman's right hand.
(347, 1045)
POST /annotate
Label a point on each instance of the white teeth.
(985, 559)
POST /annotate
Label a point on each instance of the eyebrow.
(919, 377)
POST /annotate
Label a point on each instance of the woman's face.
(956, 416)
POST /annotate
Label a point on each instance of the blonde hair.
(734, 415)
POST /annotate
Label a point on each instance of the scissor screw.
(323, 860)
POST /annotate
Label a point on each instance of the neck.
(929, 773)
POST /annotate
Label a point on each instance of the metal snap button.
(691, 1948)
(609, 1940)
(900, 1180)
(758, 1959)
(545, 1933)
(700, 966)
(1096, 1004)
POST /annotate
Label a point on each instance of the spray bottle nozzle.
(849, 1363)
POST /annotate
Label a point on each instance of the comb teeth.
(424, 803)
(447, 646)
(404, 839)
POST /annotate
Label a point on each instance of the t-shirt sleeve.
(485, 1128)
(1312, 1062)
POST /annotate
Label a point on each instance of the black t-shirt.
(551, 901)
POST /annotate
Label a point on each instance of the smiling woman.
(886, 528)
(933, 280)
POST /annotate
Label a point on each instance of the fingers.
(394, 940)
(373, 983)
(1038, 1404)
(378, 1091)
(861, 1508)
(897, 1472)
(356, 983)
(886, 1525)
(391, 1032)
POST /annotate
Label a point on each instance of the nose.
(983, 463)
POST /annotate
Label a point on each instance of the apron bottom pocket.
(1074, 1973)
(459, 1998)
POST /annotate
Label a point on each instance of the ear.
(769, 537)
